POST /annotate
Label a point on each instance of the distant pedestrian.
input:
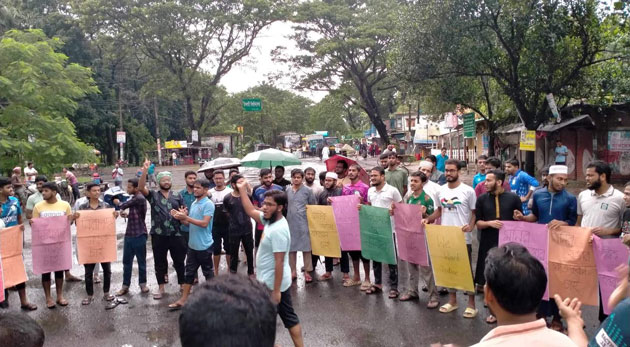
(117, 175)
(30, 173)
(521, 183)
(73, 182)
(441, 160)
(561, 153)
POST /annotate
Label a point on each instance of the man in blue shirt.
(200, 240)
(561, 153)
(441, 160)
(520, 182)
(481, 166)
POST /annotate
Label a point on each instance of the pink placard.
(609, 254)
(1, 283)
(51, 244)
(532, 236)
(347, 220)
(410, 236)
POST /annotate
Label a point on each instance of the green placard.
(469, 125)
(250, 105)
(377, 242)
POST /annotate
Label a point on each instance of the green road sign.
(469, 125)
(250, 105)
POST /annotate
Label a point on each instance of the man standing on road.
(331, 190)
(199, 253)
(309, 178)
(30, 173)
(240, 228)
(437, 176)
(272, 261)
(51, 207)
(166, 235)
(457, 203)
(11, 215)
(382, 195)
(188, 196)
(280, 180)
(220, 223)
(299, 196)
(117, 175)
(555, 207)
(18, 185)
(266, 180)
(521, 182)
(394, 175)
(430, 187)
(481, 171)
(601, 207)
(441, 160)
(561, 153)
(491, 208)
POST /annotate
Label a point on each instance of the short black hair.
(188, 173)
(443, 148)
(455, 162)
(499, 175)
(29, 163)
(279, 197)
(432, 158)
(516, 278)
(513, 162)
(310, 169)
(4, 181)
(344, 164)
(391, 153)
(383, 156)
(279, 167)
(218, 172)
(18, 329)
(51, 186)
(494, 161)
(202, 182)
(601, 167)
(322, 175)
(228, 310)
(379, 169)
(297, 172)
(423, 177)
(90, 185)
(235, 179)
(265, 172)
(41, 178)
(133, 181)
(482, 157)
(234, 169)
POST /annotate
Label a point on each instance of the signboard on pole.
(470, 130)
(528, 140)
(194, 135)
(175, 144)
(252, 105)
(552, 106)
(121, 137)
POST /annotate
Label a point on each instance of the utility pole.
(121, 157)
(157, 130)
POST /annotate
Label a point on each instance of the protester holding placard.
(457, 208)
(51, 207)
(11, 215)
(299, 196)
(331, 190)
(93, 193)
(491, 208)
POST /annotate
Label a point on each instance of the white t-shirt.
(457, 206)
(433, 189)
(30, 174)
(316, 188)
(384, 197)
(216, 196)
(604, 210)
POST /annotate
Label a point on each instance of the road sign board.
(121, 137)
(250, 105)
(469, 125)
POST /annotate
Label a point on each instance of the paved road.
(331, 315)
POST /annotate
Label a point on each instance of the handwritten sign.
(609, 254)
(449, 257)
(532, 236)
(1, 284)
(377, 241)
(323, 231)
(572, 271)
(410, 236)
(13, 269)
(96, 236)
(347, 220)
(51, 245)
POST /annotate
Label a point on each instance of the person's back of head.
(515, 281)
(229, 310)
(20, 330)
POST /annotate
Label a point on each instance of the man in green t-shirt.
(395, 176)
(417, 196)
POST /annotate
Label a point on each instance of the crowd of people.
(213, 216)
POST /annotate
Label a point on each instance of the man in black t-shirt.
(240, 228)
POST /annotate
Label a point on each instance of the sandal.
(393, 294)
(470, 312)
(87, 301)
(62, 302)
(144, 289)
(365, 286)
(351, 283)
(374, 290)
(308, 278)
(123, 291)
(157, 296)
(29, 307)
(112, 304)
(325, 277)
(434, 303)
(108, 297)
(175, 306)
(447, 308)
(51, 306)
(491, 319)
(408, 296)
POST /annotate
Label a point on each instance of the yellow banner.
(449, 257)
(323, 231)
(175, 144)
(528, 140)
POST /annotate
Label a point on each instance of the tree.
(38, 91)
(184, 38)
(528, 48)
(347, 42)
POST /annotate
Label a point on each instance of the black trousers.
(89, 277)
(234, 242)
(161, 245)
(195, 260)
(378, 274)
(488, 240)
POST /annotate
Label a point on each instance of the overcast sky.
(256, 68)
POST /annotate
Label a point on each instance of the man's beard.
(595, 185)
(309, 181)
(274, 218)
(168, 187)
(451, 179)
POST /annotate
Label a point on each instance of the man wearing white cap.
(555, 207)
(431, 188)
(330, 190)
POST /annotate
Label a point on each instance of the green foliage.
(38, 91)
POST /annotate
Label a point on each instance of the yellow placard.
(323, 231)
(528, 140)
(449, 257)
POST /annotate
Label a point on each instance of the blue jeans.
(135, 247)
